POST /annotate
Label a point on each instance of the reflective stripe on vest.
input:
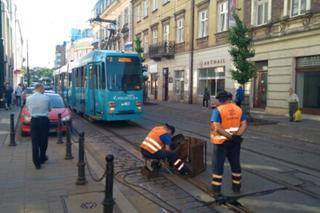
(230, 121)
(152, 143)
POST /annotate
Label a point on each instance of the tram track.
(101, 131)
(234, 206)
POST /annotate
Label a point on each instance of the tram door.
(91, 103)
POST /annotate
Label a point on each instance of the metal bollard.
(81, 164)
(59, 132)
(12, 132)
(68, 143)
(108, 201)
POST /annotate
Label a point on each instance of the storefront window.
(178, 80)
(213, 79)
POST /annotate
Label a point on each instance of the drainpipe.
(191, 53)
(132, 25)
(2, 67)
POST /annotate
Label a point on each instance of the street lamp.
(99, 20)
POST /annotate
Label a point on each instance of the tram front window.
(124, 73)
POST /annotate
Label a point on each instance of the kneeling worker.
(228, 123)
(157, 146)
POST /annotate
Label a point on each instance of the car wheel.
(23, 134)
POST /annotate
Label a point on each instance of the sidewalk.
(52, 188)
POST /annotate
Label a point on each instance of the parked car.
(58, 106)
(28, 91)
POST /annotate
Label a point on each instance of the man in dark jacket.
(8, 90)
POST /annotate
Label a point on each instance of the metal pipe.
(12, 132)
(59, 130)
(81, 164)
(191, 53)
(68, 143)
(108, 201)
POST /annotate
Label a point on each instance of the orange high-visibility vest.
(230, 122)
(152, 143)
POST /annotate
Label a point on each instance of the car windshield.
(124, 73)
(56, 101)
(29, 90)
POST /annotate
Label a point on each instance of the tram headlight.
(66, 118)
(139, 106)
(112, 107)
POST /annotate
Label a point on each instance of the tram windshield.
(124, 73)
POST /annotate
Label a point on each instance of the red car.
(57, 105)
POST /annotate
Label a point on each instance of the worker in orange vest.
(228, 123)
(157, 146)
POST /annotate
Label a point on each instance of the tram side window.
(102, 76)
(83, 77)
(97, 71)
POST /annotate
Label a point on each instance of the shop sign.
(211, 63)
(309, 61)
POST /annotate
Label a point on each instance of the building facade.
(112, 25)
(60, 55)
(78, 48)
(185, 46)
(287, 44)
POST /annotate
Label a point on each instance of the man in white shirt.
(18, 94)
(293, 102)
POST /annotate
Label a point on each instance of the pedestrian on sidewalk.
(8, 90)
(39, 106)
(157, 146)
(228, 123)
(18, 93)
(293, 102)
(206, 97)
(239, 96)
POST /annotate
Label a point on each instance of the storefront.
(308, 83)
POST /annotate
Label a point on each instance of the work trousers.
(231, 150)
(39, 137)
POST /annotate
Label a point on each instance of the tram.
(104, 85)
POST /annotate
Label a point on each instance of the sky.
(47, 23)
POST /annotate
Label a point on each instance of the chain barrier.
(90, 170)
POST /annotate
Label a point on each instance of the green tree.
(42, 72)
(241, 50)
(138, 48)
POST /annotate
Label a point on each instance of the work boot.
(219, 198)
(185, 171)
(236, 188)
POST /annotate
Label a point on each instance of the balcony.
(162, 49)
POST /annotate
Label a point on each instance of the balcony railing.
(162, 49)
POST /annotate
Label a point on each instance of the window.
(126, 16)
(180, 30)
(154, 36)
(223, 16)
(203, 23)
(138, 12)
(145, 42)
(154, 5)
(165, 1)
(178, 79)
(298, 7)
(166, 31)
(213, 79)
(261, 13)
(145, 8)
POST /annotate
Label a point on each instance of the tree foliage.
(42, 72)
(137, 47)
(241, 50)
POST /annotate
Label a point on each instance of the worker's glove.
(237, 138)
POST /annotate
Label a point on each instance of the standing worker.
(39, 106)
(228, 123)
(157, 146)
(239, 96)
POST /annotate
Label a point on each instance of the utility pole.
(191, 53)
(28, 71)
(2, 67)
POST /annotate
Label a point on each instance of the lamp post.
(2, 66)
(99, 20)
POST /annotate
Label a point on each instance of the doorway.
(261, 85)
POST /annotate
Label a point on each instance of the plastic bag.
(297, 115)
